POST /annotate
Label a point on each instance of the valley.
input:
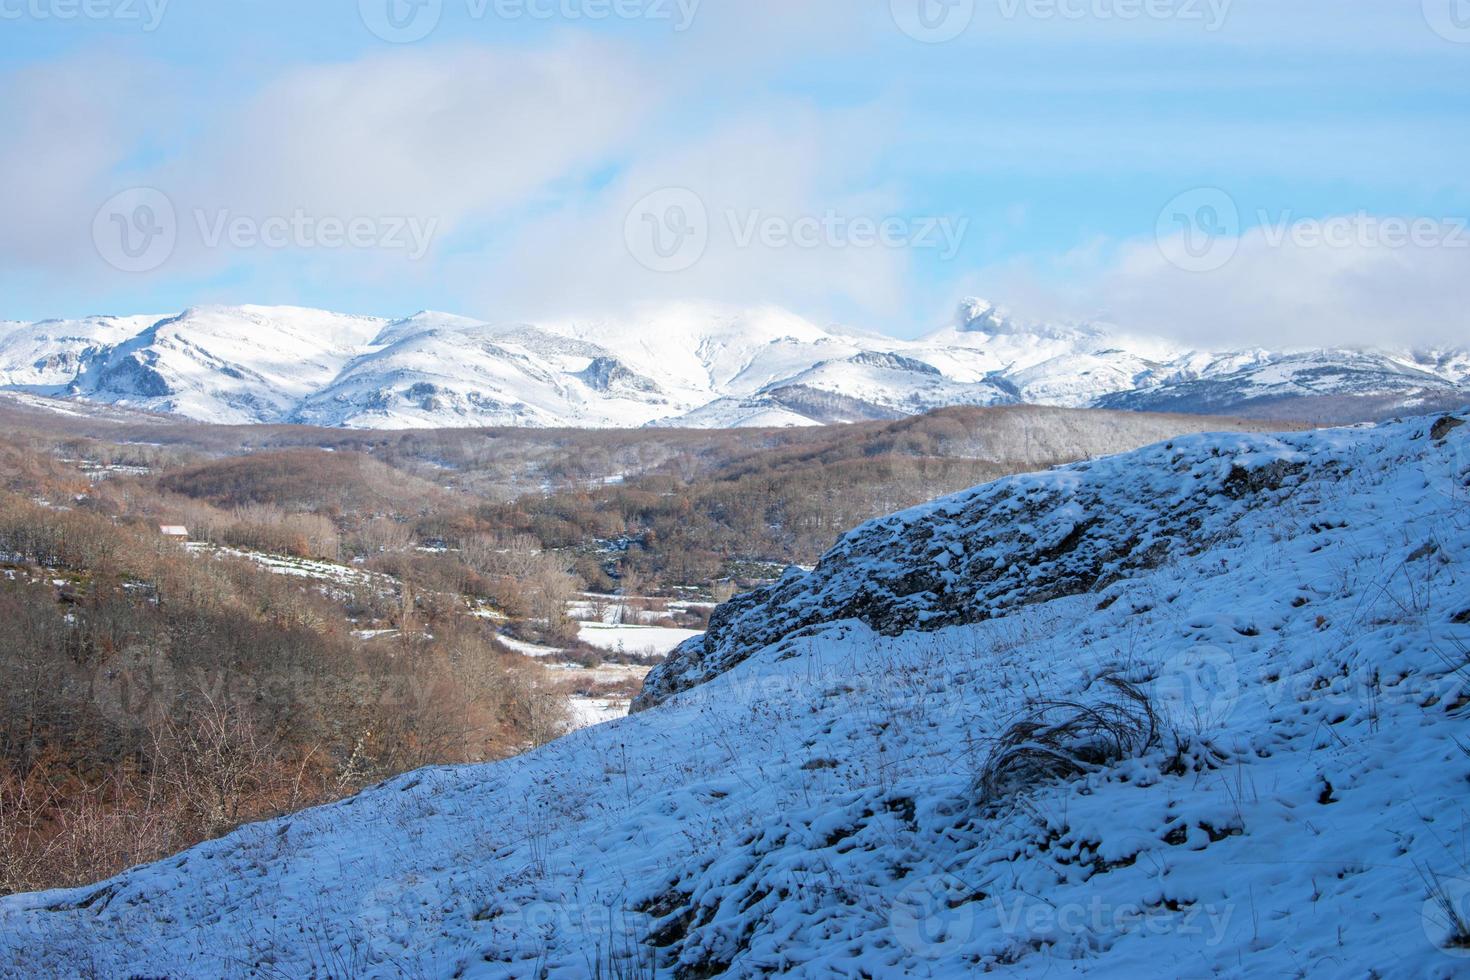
(212, 625)
(1065, 720)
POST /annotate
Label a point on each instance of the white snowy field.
(527, 649)
(599, 707)
(310, 568)
(639, 640)
(650, 640)
(814, 811)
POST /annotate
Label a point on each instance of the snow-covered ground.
(642, 640)
(526, 649)
(596, 695)
(608, 623)
(607, 634)
(595, 692)
(1300, 621)
(596, 709)
(310, 568)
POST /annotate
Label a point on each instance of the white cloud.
(452, 133)
(527, 156)
(1344, 280)
(68, 125)
(784, 163)
(443, 137)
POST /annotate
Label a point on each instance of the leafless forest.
(340, 611)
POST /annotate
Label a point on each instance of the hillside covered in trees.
(348, 606)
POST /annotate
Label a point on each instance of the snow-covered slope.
(1310, 385)
(50, 354)
(845, 790)
(681, 365)
(430, 372)
(234, 365)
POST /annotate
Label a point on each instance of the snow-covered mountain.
(1198, 710)
(681, 365)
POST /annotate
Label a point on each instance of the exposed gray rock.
(985, 552)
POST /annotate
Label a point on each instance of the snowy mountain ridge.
(1206, 711)
(679, 366)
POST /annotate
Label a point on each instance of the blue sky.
(1031, 151)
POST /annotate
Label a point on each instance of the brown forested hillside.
(336, 618)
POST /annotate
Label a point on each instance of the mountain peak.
(975, 314)
(686, 363)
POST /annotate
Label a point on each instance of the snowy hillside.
(1197, 710)
(1314, 384)
(681, 365)
(234, 365)
(51, 353)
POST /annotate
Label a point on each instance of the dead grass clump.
(1064, 739)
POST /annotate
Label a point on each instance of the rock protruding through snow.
(985, 553)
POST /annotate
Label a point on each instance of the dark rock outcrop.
(983, 553)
